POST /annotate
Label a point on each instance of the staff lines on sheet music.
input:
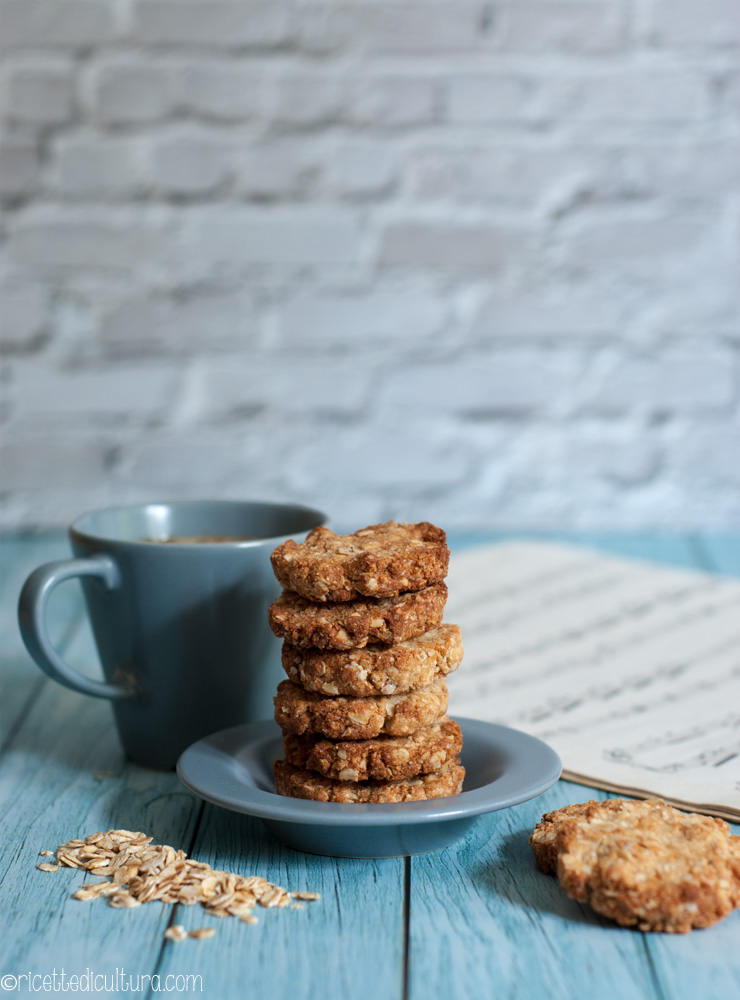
(583, 693)
(572, 700)
(702, 760)
(586, 591)
(665, 695)
(591, 695)
(694, 740)
(479, 607)
(466, 592)
(707, 758)
(530, 589)
(643, 682)
(607, 692)
(593, 630)
(595, 667)
(599, 658)
(636, 682)
(560, 570)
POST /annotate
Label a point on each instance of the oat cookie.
(385, 758)
(353, 624)
(298, 711)
(376, 669)
(642, 864)
(301, 784)
(383, 560)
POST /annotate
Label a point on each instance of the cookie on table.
(376, 669)
(643, 864)
(382, 560)
(353, 624)
(299, 711)
(385, 758)
(301, 784)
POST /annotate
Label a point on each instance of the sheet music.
(630, 671)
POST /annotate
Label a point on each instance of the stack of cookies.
(363, 713)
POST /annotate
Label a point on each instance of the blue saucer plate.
(233, 769)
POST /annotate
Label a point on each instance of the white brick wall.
(39, 91)
(58, 24)
(471, 261)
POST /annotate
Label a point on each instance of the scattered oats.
(255, 883)
(221, 900)
(123, 900)
(296, 906)
(202, 933)
(92, 890)
(176, 933)
(272, 897)
(144, 872)
(43, 867)
(67, 862)
(96, 863)
(46, 854)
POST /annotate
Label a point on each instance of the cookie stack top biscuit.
(382, 560)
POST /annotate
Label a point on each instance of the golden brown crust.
(298, 711)
(385, 758)
(376, 669)
(642, 863)
(352, 625)
(301, 784)
(382, 560)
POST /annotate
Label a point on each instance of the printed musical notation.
(630, 671)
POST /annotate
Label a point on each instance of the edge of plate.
(476, 802)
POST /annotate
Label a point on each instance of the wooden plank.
(486, 922)
(703, 963)
(48, 794)
(350, 943)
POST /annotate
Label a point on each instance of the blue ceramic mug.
(177, 595)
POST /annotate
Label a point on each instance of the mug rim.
(77, 532)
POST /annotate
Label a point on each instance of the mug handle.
(32, 620)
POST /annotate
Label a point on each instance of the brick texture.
(466, 261)
(38, 91)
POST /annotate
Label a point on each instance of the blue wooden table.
(476, 920)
